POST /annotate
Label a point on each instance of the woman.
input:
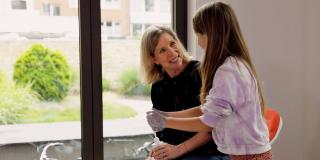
(176, 84)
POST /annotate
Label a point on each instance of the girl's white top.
(232, 108)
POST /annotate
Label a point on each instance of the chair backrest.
(274, 122)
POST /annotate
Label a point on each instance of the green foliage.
(46, 71)
(105, 85)
(51, 114)
(111, 110)
(75, 87)
(130, 84)
(1, 77)
(14, 101)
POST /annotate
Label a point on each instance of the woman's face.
(202, 40)
(167, 53)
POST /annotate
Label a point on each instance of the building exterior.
(39, 15)
(114, 14)
(144, 13)
(119, 18)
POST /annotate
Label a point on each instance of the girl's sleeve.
(225, 96)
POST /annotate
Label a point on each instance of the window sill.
(30, 133)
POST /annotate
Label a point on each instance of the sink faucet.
(44, 156)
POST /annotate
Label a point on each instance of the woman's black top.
(176, 94)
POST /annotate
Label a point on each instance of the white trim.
(278, 132)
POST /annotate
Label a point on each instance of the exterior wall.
(120, 15)
(160, 14)
(69, 8)
(124, 12)
(6, 10)
(65, 8)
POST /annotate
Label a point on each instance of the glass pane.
(125, 97)
(39, 80)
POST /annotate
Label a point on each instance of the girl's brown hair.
(217, 20)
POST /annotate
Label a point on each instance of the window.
(149, 4)
(110, 4)
(120, 69)
(19, 4)
(32, 119)
(111, 29)
(118, 53)
(109, 24)
(56, 11)
(137, 29)
(46, 9)
(50, 9)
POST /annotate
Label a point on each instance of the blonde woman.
(176, 83)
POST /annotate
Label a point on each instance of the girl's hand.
(156, 120)
(166, 151)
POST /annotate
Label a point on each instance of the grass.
(111, 110)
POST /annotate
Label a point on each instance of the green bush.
(75, 87)
(46, 71)
(14, 101)
(1, 77)
(111, 110)
(130, 84)
(105, 85)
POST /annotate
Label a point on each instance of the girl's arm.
(196, 141)
(193, 124)
(191, 112)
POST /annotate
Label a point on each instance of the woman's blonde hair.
(150, 71)
(218, 21)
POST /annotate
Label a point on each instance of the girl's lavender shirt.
(232, 108)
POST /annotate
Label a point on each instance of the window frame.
(91, 71)
(90, 80)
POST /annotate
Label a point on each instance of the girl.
(232, 104)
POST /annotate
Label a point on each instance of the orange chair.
(274, 122)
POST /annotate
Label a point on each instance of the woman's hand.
(167, 151)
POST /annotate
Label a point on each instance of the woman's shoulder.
(158, 83)
(192, 67)
(194, 64)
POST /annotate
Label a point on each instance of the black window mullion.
(91, 89)
(180, 20)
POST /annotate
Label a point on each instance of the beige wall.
(283, 37)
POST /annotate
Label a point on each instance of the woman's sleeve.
(155, 94)
(224, 97)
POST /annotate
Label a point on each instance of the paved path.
(26, 133)
(141, 106)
